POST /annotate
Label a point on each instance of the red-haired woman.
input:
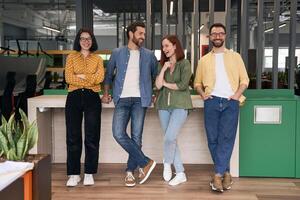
(173, 103)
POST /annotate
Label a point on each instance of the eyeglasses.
(83, 39)
(221, 34)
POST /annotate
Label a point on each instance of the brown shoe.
(146, 171)
(227, 181)
(129, 179)
(216, 183)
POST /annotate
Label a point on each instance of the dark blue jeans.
(221, 119)
(130, 109)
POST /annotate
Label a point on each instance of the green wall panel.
(268, 150)
(298, 141)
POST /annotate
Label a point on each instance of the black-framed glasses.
(221, 34)
(84, 39)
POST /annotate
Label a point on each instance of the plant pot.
(15, 191)
(41, 176)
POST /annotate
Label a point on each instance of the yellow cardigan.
(234, 66)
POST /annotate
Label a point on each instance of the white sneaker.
(179, 178)
(73, 180)
(88, 179)
(167, 172)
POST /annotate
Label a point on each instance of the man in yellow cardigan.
(221, 79)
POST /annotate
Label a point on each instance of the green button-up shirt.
(181, 98)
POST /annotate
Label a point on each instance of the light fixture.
(51, 29)
(201, 27)
(271, 29)
(99, 12)
(171, 7)
(43, 109)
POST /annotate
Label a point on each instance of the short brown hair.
(218, 25)
(132, 27)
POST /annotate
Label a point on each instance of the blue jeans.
(171, 121)
(221, 119)
(130, 109)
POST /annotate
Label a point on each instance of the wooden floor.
(109, 185)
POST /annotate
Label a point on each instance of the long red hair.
(178, 51)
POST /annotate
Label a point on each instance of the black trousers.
(83, 102)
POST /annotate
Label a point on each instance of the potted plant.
(16, 139)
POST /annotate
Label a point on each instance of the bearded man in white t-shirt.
(221, 79)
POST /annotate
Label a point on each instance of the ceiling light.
(171, 7)
(98, 12)
(51, 29)
(271, 29)
(201, 27)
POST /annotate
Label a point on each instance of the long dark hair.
(77, 46)
(178, 51)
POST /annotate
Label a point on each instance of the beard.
(137, 42)
(217, 44)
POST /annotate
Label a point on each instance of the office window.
(282, 54)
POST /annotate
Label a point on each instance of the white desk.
(11, 171)
(52, 134)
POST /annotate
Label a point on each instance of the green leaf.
(32, 135)
(24, 121)
(9, 134)
(11, 155)
(21, 146)
(17, 132)
(3, 127)
(3, 120)
(3, 142)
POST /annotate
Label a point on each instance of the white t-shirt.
(131, 86)
(222, 86)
